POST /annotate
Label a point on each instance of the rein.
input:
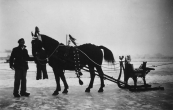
(47, 59)
(93, 60)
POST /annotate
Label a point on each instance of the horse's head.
(36, 42)
(43, 41)
(36, 46)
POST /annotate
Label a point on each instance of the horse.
(62, 57)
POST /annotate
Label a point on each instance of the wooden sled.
(130, 72)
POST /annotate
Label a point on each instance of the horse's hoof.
(100, 90)
(55, 93)
(87, 90)
(65, 91)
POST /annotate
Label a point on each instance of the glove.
(35, 60)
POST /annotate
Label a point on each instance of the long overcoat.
(19, 58)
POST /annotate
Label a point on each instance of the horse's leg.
(126, 78)
(65, 83)
(100, 72)
(145, 84)
(57, 78)
(92, 75)
(135, 81)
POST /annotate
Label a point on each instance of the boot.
(16, 95)
(25, 94)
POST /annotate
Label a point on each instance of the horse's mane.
(49, 43)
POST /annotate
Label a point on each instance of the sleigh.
(135, 73)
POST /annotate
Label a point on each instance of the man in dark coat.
(18, 62)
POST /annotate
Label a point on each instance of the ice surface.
(161, 74)
(113, 98)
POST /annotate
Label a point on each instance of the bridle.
(47, 59)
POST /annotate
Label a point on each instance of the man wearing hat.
(18, 62)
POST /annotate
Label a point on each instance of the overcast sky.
(124, 26)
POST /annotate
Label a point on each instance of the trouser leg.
(43, 68)
(23, 81)
(17, 78)
(38, 72)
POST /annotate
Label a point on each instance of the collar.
(23, 47)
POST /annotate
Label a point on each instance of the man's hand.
(12, 67)
(32, 34)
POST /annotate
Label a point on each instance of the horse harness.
(77, 62)
(75, 57)
(64, 57)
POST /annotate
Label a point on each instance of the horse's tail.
(108, 55)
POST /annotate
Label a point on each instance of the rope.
(53, 51)
(41, 60)
(50, 55)
(80, 51)
(94, 61)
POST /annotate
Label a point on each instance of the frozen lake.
(163, 73)
(113, 98)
